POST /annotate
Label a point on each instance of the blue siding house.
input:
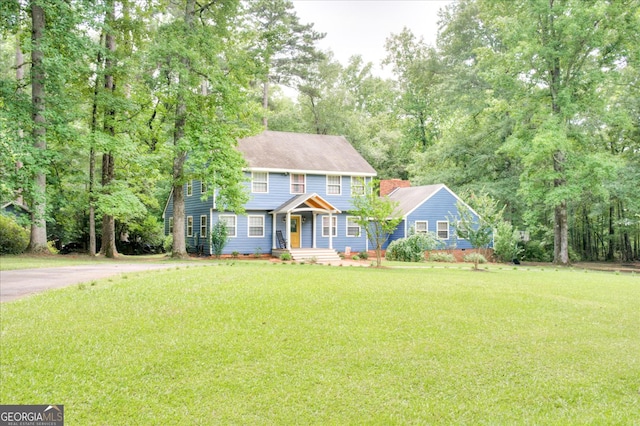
(300, 188)
(428, 209)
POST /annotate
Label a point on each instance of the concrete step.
(319, 255)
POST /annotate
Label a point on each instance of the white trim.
(204, 216)
(187, 227)
(438, 231)
(415, 226)
(249, 217)
(235, 222)
(310, 172)
(327, 184)
(442, 186)
(291, 183)
(332, 219)
(253, 181)
(347, 228)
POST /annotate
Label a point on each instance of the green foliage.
(167, 244)
(474, 258)
(378, 216)
(219, 238)
(13, 238)
(505, 242)
(537, 251)
(363, 255)
(285, 256)
(442, 257)
(412, 248)
(150, 230)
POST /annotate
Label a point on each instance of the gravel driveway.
(21, 283)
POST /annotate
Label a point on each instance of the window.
(230, 222)
(256, 226)
(297, 184)
(189, 226)
(353, 229)
(203, 226)
(357, 185)
(443, 230)
(203, 187)
(260, 182)
(421, 226)
(171, 225)
(334, 185)
(325, 226)
(189, 188)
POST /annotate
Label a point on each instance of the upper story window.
(203, 187)
(171, 225)
(357, 185)
(334, 185)
(298, 184)
(189, 188)
(421, 226)
(260, 182)
(443, 229)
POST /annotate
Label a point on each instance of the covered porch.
(293, 215)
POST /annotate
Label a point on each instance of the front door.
(296, 221)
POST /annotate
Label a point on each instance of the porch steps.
(319, 255)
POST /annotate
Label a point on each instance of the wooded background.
(533, 102)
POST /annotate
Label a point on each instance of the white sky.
(362, 26)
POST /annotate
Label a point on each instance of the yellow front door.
(296, 221)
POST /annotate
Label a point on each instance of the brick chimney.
(388, 185)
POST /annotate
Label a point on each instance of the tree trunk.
(179, 159)
(38, 238)
(92, 155)
(265, 104)
(108, 248)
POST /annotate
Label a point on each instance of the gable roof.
(411, 198)
(303, 153)
(306, 202)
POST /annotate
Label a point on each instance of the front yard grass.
(255, 343)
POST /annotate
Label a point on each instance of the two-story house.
(300, 189)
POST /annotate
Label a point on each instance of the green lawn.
(256, 343)
(8, 262)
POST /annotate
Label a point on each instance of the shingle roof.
(301, 152)
(410, 198)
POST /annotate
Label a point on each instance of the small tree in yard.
(477, 231)
(219, 238)
(377, 215)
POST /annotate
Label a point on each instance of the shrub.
(475, 258)
(537, 251)
(219, 238)
(355, 257)
(505, 245)
(364, 255)
(167, 244)
(442, 257)
(412, 248)
(285, 256)
(235, 254)
(13, 237)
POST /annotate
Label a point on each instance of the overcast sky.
(362, 26)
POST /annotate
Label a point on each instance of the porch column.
(273, 232)
(288, 230)
(313, 228)
(331, 230)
